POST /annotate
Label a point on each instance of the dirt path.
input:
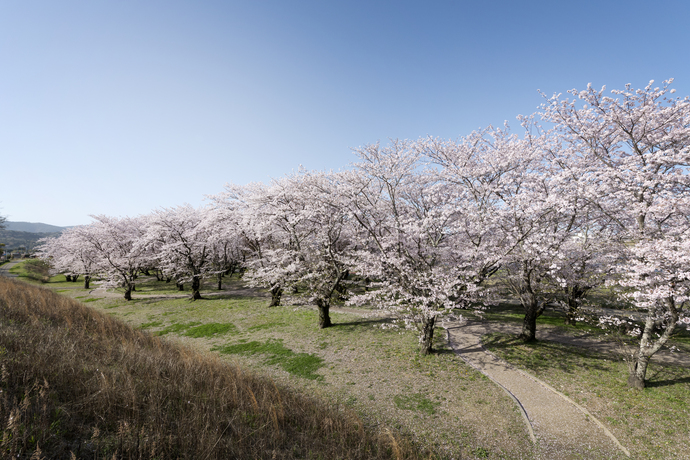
(5, 270)
(561, 428)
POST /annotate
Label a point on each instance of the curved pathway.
(561, 428)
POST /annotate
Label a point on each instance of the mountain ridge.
(33, 227)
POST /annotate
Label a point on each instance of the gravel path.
(5, 270)
(561, 428)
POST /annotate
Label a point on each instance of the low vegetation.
(34, 269)
(78, 383)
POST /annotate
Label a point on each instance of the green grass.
(210, 330)
(300, 364)
(416, 402)
(177, 327)
(652, 423)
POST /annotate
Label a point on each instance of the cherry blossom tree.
(116, 243)
(407, 216)
(253, 209)
(71, 254)
(630, 152)
(511, 215)
(183, 239)
(296, 233)
(226, 244)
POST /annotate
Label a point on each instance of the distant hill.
(26, 234)
(33, 227)
(29, 240)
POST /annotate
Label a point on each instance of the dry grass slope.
(77, 383)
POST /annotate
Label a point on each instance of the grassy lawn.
(652, 424)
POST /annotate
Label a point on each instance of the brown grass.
(77, 383)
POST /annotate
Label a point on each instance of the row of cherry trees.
(594, 191)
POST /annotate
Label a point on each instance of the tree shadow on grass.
(663, 376)
(362, 323)
(665, 383)
(542, 355)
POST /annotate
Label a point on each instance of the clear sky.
(121, 107)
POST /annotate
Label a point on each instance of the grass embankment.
(77, 381)
(653, 423)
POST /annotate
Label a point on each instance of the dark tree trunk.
(87, 279)
(128, 293)
(529, 325)
(574, 295)
(530, 303)
(196, 286)
(74, 278)
(638, 373)
(180, 286)
(428, 335)
(276, 293)
(324, 313)
(220, 281)
(533, 310)
(146, 272)
(68, 277)
(168, 279)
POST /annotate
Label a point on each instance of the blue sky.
(121, 107)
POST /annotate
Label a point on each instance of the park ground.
(440, 401)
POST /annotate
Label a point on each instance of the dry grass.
(77, 383)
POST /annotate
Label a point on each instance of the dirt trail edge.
(560, 427)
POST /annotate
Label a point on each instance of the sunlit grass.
(653, 423)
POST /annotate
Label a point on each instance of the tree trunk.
(638, 373)
(74, 278)
(533, 308)
(324, 315)
(529, 324)
(648, 346)
(87, 279)
(276, 293)
(574, 295)
(570, 314)
(180, 286)
(220, 281)
(427, 335)
(196, 287)
(128, 293)
(68, 277)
